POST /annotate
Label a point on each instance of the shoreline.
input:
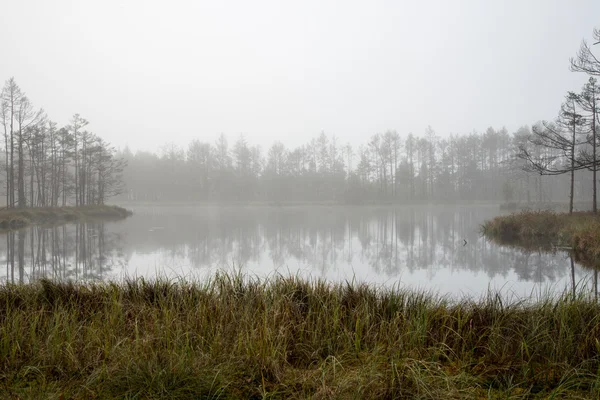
(16, 218)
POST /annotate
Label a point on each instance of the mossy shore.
(234, 337)
(14, 218)
(578, 232)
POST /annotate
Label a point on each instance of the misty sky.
(148, 72)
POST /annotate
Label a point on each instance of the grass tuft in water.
(579, 232)
(14, 218)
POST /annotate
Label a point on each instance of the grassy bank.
(234, 337)
(579, 231)
(19, 217)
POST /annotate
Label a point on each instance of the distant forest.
(47, 166)
(388, 168)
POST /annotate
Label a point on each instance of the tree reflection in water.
(80, 252)
(385, 242)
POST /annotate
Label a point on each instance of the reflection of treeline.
(384, 241)
(81, 251)
(388, 241)
(49, 166)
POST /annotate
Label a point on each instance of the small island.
(578, 232)
(20, 217)
(53, 175)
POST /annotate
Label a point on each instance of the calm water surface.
(430, 248)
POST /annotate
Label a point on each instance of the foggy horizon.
(145, 74)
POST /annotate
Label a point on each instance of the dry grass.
(238, 337)
(579, 231)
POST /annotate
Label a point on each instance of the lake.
(424, 247)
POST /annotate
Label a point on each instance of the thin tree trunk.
(6, 163)
(12, 165)
(21, 173)
(76, 172)
(31, 185)
(594, 167)
(571, 193)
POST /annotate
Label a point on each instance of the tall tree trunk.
(594, 167)
(572, 191)
(12, 167)
(31, 203)
(21, 173)
(76, 173)
(7, 171)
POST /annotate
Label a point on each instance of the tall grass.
(235, 336)
(579, 231)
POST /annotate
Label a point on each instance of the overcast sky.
(148, 72)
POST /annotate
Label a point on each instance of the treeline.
(387, 168)
(48, 166)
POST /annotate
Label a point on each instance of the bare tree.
(585, 60)
(560, 137)
(6, 117)
(109, 171)
(11, 95)
(75, 129)
(391, 143)
(431, 161)
(27, 119)
(589, 100)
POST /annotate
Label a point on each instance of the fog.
(145, 73)
(340, 140)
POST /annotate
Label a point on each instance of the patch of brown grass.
(15, 218)
(578, 231)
